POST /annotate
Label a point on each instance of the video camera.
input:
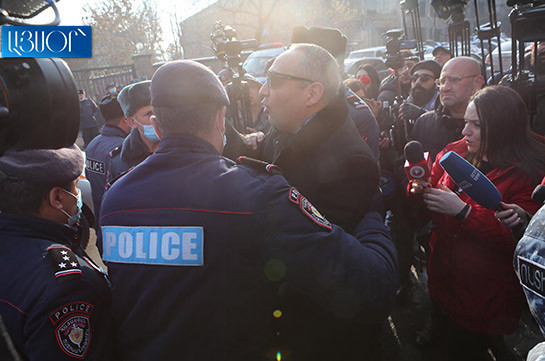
(450, 9)
(39, 106)
(229, 50)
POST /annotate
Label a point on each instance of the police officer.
(200, 253)
(142, 141)
(111, 136)
(54, 301)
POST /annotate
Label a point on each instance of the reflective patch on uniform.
(313, 213)
(532, 276)
(294, 195)
(74, 336)
(169, 246)
(94, 166)
(73, 328)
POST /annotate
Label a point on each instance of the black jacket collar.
(33, 227)
(314, 133)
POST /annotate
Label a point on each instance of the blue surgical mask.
(113, 90)
(149, 132)
(72, 220)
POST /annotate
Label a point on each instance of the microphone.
(471, 181)
(538, 194)
(418, 163)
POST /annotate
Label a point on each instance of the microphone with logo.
(418, 163)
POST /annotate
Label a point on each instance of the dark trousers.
(88, 134)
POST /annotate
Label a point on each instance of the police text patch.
(73, 328)
(532, 276)
(170, 246)
(94, 166)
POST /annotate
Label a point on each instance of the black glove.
(409, 111)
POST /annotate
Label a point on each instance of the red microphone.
(418, 163)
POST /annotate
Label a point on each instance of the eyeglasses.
(452, 79)
(273, 78)
(423, 77)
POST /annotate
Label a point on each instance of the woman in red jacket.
(470, 267)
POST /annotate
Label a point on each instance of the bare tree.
(175, 48)
(119, 26)
(254, 15)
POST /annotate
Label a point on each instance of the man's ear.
(129, 121)
(56, 197)
(153, 120)
(220, 119)
(315, 91)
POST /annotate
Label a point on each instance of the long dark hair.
(372, 92)
(506, 138)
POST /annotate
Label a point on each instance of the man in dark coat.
(89, 118)
(199, 247)
(111, 136)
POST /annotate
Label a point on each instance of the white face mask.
(72, 220)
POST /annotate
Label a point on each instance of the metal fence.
(95, 80)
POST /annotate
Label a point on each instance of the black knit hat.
(430, 65)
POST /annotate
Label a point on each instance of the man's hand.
(253, 139)
(408, 111)
(443, 200)
(512, 215)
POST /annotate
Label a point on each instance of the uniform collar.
(36, 227)
(112, 131)
(188, 143)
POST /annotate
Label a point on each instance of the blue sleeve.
(354, 277)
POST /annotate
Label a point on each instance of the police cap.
(186, 82)
(42, 166)
(134, 96)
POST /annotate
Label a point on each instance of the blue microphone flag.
(471, 180)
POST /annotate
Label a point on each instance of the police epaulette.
(115, 152)
(64, 262)
(260, 165)
(356, 102)
(111, 183)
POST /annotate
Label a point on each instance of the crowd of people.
(290, 239)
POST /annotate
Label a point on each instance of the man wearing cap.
(111, 136)
(441, 55)
(54, 301)
(89, 118)
(142, 140)
(424, 93)
(198, 256)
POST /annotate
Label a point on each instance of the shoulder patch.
(116, 151)
(72, 323)
(64, 262)
(356, 102)
(308, 209)
(260, 165)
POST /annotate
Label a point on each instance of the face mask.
(72, 220)
(149, 132)
(224, 140)
(113, 91)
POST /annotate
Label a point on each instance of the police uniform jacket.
(197, 258)
(364, 120)
(130, 154)
(470, 267)
(529, 262)
(97, 160)
(89, 114)
(329, 162)
(54, 303)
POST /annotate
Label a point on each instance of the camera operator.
(441, 55)
(424, 92)
(260, 119)
(388, 88)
